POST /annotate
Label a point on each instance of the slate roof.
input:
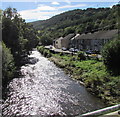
(99, 35)
(59, 38)
(69, 36)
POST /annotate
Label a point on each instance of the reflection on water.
(46, 90)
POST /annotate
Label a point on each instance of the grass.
(93, 74)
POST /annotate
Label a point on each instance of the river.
(45, 89)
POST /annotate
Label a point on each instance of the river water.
(46, 90)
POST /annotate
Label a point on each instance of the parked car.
(76, 50)
(96, 52)
(51, 46)
(71, 49)
(64, 49)
(89, 52)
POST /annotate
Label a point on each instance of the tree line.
(18, 39)
(78, 21)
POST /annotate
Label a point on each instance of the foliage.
(40, 49)
(81, 55)
(44, 52)
(19, 36)
(8, 66)
(45, 40)
(69, 30)
(93, 74)
(18, 40)
(79, 21)
(111, 56)
(0, 16)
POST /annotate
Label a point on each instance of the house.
(57, 43)
(89, 41)
(63, 42)
(92, 41)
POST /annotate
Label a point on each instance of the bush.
(81, 56)
(46, 40)
(111, 56)
(44, 51)
(8, 66)
(40, 49)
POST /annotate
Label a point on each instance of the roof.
(59, 38)
(69, 36)
(77, 35)
(99, 35)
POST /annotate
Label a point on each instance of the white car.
(71, 49)
(64, 49)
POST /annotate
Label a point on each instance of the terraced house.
(89, 41)
(63, 41)
(92, 41)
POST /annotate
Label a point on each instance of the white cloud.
(45, 8)
(55, 3)
(36, 14)
(33, 15)
(112, 5)
(72, 6)
(43, 12)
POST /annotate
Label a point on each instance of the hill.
(78, 21)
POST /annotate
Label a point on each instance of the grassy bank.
(91, 72)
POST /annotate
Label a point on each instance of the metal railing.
(101, 111)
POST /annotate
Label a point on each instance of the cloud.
(55, 3)
(45, 8)
(112, 5)
(72, 6)
(36, 14)
(43, 12)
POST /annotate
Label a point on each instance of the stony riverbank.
(91, 73)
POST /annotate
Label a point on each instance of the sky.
(33, 10)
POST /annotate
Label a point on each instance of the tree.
(45, 40)
(87, 20)
(19, 36)
(8, 66)
(18, 40)
(111, 56)
(69, 30)
(0, 16)
(31, 35)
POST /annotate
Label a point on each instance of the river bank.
(45, 90)
(90, 72)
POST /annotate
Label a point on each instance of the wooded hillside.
(79, 21)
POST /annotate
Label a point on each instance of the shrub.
(61, 54)
(81, 56)
(40, 49)
(8, 66)
(44, 51)
(47, 53)
(111, 56)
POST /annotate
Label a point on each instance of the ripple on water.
(44, 89)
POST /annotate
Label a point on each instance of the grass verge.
(91, 72)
